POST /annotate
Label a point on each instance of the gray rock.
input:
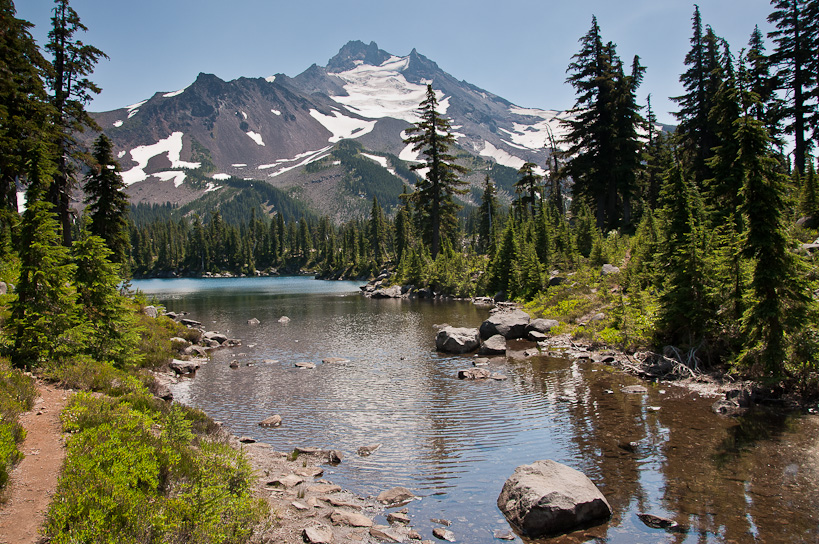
(162, 391)
(340, 517)
(535, 336)
(457, 340)
(320, 534)
(183, 367)
(234, 364)
(547, 498)
(542, 325)
(195, 351)
(272, 421)
(190, 323)
(333, 360)
(253, 321)
(499, 377)
(609, 269)
(504, 535)
(150, 311)
(384, 534)
(395, 495)
(657, 522)
(443, 534)
(398, 517)
(509, 324)
(496, 345)
(334, 457)
(388, 292)
(477, 373)
(284, 319)
(247, 440)
(215, 337)
(365, 451)
(305, 365)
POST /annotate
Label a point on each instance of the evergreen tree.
(759, 80)
(602, 131)
(72, 61)
(112, 333)
(44, 315)
(696, 132)
(809, 199)
(779, 294)
(107, 202)
(796, 39)
(488, 218)
(24, 108)
(684, 312)
(434, 195)
(377, 232)
(528, 187)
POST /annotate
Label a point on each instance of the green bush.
(17, 394)
(137, 472)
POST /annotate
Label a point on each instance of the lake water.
(749, 479)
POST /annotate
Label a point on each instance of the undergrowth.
(17, 394)
(139, 470)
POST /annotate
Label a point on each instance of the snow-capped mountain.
(178, 145)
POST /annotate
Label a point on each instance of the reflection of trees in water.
(727, 478)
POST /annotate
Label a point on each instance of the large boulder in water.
(457, 340)
(548, 498)
(509, 324)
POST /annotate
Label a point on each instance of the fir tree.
(112, 333)
(24, 107)
(44, 315)
(602, 131)
(434, 196)
(528, 187)
(107, 202)
(72, 61)
(809, 198)
(683, 315)
(377, 232)
(696, 132)
(488, 218)
(779, 294)
(795, 38)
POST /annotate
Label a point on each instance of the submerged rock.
(365, 451)
(272, 421)
(547, 498)
(444, 534)
(476, 373)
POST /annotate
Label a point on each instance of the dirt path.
(34, 480)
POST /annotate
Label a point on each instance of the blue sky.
(517, 49)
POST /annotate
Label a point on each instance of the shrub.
(17, 394)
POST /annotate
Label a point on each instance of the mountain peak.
(356, 50)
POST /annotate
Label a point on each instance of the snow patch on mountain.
(177, 176)
(239, 165)
(501, 156)
(117, 123)
(270, 79)
(172, 145)
(382, 161)
(221, 177)
(255, 136)
(342, 126)
(383, 91)
(536, 136)
(121, 154)
(175, 93)
(275, 112)
(133, 109)
(212, 187)
(311, 156)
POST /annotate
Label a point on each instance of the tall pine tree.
(435, 192)
(107, 202)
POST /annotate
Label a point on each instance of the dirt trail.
(34, 480)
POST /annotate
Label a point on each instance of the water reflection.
(752, 479)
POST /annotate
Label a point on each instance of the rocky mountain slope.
(179, 146)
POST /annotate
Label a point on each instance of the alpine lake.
(454, 442)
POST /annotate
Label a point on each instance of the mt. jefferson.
(312, 134)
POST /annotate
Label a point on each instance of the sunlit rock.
(547, 498)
